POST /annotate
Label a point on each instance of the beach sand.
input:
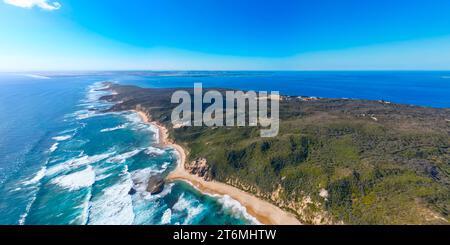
(263, 211)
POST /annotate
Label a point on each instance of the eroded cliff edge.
(335, 160)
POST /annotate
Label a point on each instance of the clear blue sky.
(222, 35)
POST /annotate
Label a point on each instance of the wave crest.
(77, 180)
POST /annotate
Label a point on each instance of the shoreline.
(263, 211)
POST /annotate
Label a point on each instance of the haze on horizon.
(224, 35)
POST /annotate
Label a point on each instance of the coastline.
(263, 211)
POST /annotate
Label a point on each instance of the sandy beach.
(263, 211)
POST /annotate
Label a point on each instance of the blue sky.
(224, 35)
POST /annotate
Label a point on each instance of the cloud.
(43, 4)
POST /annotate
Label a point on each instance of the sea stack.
(155, 185)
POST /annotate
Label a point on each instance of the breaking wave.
(154, 151)
(114, 205)
(236, 209)
(54, 147)
(39, 175)
(191, 207)
(77, 180)
(24, 216)
(62, 137)
(121, 158)
(76, 162)
(97, 176)
(167, 216)
(122, 126)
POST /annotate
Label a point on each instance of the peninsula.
(335, 161)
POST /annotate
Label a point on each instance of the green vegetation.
(392, 170)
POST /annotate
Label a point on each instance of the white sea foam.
(140, 177)
(230, 204)
(154, 151)
(85, 205)
(100, 85)
(24, 216)
(85, 115)
(192, 207)
(114, 205)
(125, 171)
(236, 208)
(95, 92)
(105, 169)
(167, 190)
(121, 158)
(167, 216)
(96, 89)
(64, 132)
(155, 170)
(77, 180)
(193, 212)
(77, 162)
(54, 147)
(39, 175)
(182, 203)
(155, 131)
(122, 126)
(133, 118)
(177, 155)
(102, 177)
(164, 166)
(35, 180)
(62, 137)
(138, 124)
(80, 114)
(92, 102)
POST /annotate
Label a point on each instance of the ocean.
(63, 163)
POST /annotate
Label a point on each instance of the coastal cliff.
(334, 161)
(200, 168)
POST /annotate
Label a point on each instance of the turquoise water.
(70, 165)
(62, 163)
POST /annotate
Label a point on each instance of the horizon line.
(232, 70)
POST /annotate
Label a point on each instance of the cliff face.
(307, 210)
(335, 160)
(199, 168)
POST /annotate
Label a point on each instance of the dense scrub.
(363, 162)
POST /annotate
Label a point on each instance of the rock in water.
(155, 185)
(132, 191)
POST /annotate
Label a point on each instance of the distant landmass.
(334, 161)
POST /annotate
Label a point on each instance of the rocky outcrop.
(155, 185)
(199, 168)
(132, 191)
(307, 210)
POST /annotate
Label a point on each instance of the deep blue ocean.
(63, 163)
